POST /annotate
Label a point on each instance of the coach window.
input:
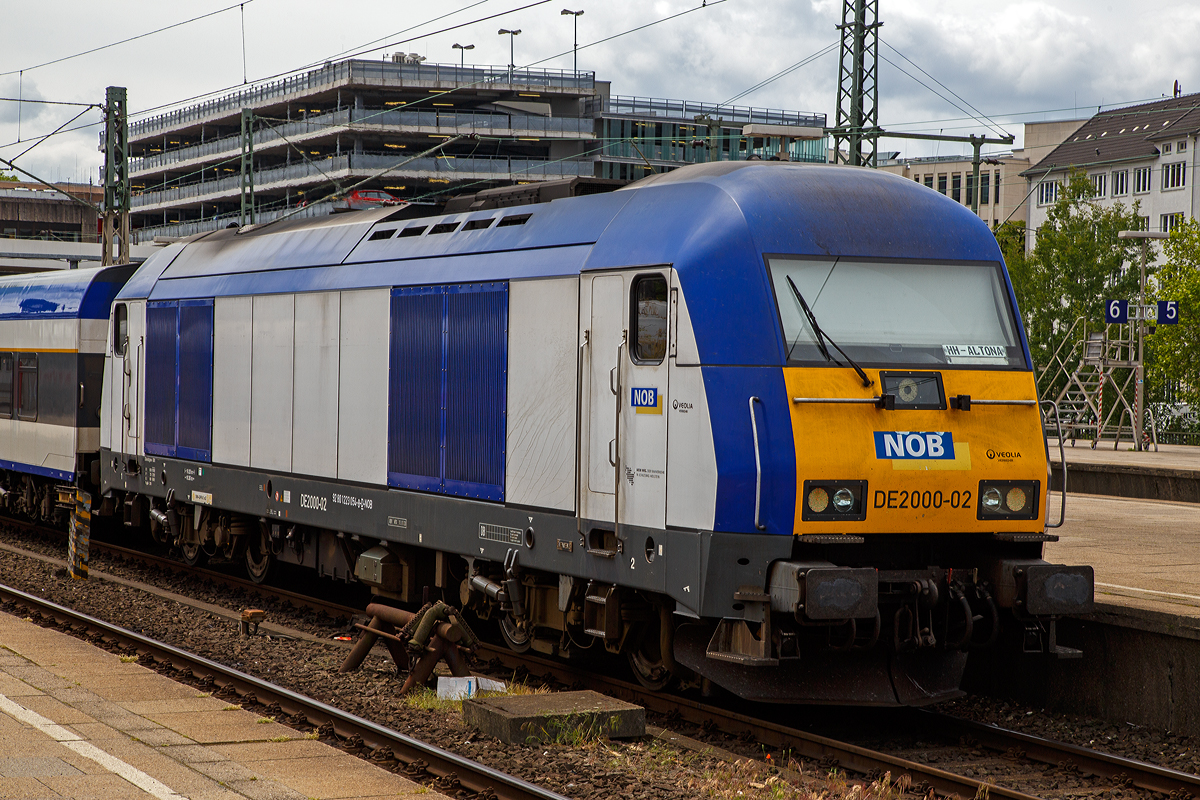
(6, 385)
(120, 328)
(650, 319)
(27, 386)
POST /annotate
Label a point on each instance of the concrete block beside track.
(560, 716)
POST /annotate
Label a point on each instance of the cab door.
(626, 340)
(128, 345)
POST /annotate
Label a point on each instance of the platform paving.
(1170, 473)
(1168, 456)
(78, 722)
(1146, 553)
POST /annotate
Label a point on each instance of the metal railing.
(175, 230)
(364, 165)
(375, 74)
(348, 119)
(688, 110)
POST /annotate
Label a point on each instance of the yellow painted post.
(81, 531)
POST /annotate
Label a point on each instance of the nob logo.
(914, 444)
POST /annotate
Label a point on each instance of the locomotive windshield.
(885, 314)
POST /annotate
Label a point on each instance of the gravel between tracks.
(642, 769)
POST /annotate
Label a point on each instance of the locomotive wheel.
(645, 658)
(258, 557)
(515, 636)
(191, 553)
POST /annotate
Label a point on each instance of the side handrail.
(1062, 460)
(616, 462)
(757, 468)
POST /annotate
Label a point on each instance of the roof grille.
(377, 235)
(479, 224)
(443, 227)
(416, 230)
(514, 219)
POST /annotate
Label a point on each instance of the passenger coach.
(772, 426)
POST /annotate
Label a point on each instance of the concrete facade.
(368, 125)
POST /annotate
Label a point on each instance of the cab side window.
(649, 319)
(120, 328)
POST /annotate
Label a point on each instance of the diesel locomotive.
(766, 426)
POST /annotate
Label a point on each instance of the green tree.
(4, 177)
(1076, 263)
(1176, 348)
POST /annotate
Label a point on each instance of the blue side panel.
(45, 472)
(162, 323)
(416, 388)
(476, 389)
(195, 380)
(728, 391)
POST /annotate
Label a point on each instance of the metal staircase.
(1093, 361)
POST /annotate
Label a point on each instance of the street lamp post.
(1139, 399)
(511, 59)
(463, 48)
(566, 12)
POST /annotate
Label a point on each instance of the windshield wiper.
(823, 337)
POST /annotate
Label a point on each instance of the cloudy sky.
(1012, 60)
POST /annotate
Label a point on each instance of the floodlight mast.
(512, 34)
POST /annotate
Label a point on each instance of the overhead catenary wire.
(829, 48)
(982, 116)
(126, 40)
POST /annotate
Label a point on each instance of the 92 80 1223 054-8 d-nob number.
(903, 498)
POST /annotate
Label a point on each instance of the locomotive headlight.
(1011, 500)
(834, 501)
(1015, 499)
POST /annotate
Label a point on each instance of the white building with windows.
(1144, 154)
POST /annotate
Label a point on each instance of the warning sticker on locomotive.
(646, 400)
(924, 445)
(975, 354)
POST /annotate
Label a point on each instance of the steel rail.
(471, 775)
(812, 746)
(1143, 775)
(860, 760)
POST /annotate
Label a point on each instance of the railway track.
(1070, 758)
(448, 767)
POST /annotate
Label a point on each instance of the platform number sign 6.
(1116, 311)
(1168, 312)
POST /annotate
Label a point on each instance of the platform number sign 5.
(1168, 312)
(1116, 311)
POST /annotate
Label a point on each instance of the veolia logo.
(914, 444)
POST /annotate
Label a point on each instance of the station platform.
(1146, 553)
(80, 722)
(1170, 473)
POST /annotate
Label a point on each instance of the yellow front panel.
(837, 442)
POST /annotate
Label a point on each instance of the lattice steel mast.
(857, 122)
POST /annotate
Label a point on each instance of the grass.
(283, 738)
(423, 698)
(128, 659)
(265, 720)
(232, 708)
